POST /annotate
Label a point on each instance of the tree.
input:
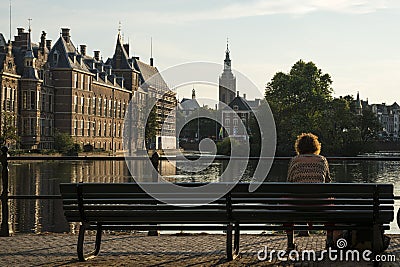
(151, 124)
(301, 101)
(8, 129)
(369, 126)
(298, 101)
(63, 142)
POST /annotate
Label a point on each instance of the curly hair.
(307, 143)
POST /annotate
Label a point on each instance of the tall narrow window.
(100, 107)
(33, 100)
(89, 101)
(50, 103)
(83, 127)
(88, 83)
(82, 105)
(76, 104)
(76, 128)
(24, 99)
(94, 106)
(76, 79)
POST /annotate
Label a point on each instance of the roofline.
(112, 87)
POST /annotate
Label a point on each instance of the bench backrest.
(302, 202)
(270, 203)
(127, 202)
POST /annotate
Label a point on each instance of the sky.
(357, 42)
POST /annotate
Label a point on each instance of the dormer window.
(55, 57)
(235, 107)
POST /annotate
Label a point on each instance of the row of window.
(30, 127)
(31, 99)
(99, 129)
(9, 96)
(81, 81)
(99, 107)
(227, 122)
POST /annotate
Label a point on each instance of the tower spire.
(151, 52)
(193, 93)
(227, 61)
(10, 22)
(29, 52)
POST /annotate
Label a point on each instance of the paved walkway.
(165, 250)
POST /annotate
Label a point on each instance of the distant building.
(389, 117)
(227, 81)
(236, 118)
(151, 81)
(187, 106)
(239, 110)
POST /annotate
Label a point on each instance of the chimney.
(244, 96)
(97, 55)
(83, 50)
(237, 93)
(42, 41)
(126, 47)
(65, 34)
(48, 44)
(151, 61)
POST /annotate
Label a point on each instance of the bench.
(333, 206)
(127, 207)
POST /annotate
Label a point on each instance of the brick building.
(47, 88)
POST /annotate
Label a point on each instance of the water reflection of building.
(43, 178)
(35, 178)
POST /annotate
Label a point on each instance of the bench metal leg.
(230, 255)
(81, 240)
(236, 241)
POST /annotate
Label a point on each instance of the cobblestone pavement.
(138, 249)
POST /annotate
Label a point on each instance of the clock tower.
(227, 81)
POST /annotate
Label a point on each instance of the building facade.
(227, 81)
(47, 88)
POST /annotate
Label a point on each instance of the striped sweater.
(308, 168)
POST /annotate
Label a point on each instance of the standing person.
(308, 167)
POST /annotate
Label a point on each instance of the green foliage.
(228, 145)
(224, 147)
(151, 124)
(201, 121)
(8, 129)
(63, 142)
(301, 101)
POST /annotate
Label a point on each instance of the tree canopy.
(302, 101)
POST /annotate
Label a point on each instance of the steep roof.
(150, 75)
(189, 104)
(241, 104)
(68, 56)
(2, 58)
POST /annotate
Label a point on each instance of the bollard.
(4, 228)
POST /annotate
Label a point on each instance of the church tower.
(227, 81)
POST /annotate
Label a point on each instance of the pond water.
(43, 178)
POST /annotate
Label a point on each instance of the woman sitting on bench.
(308, 167)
